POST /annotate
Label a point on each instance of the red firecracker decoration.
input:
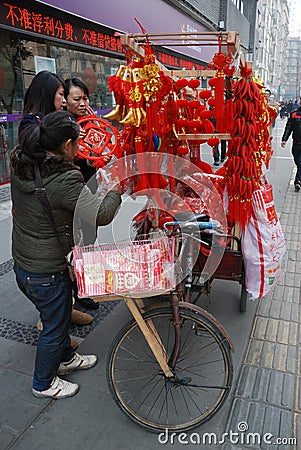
(242, 172)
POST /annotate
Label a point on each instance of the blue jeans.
(52, 296)
(296, 151)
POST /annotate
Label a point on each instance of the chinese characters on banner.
(51, 23)
(171, 60)
(31, 21)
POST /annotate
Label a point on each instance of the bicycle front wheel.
(202, 376)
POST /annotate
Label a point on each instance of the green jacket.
(35, 246)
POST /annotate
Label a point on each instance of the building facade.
(228, 15)
(294, 18)
(271, 45)
(291, 87)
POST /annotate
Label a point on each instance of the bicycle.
(171, 366)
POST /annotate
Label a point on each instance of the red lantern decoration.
(205, 94)
(194, 104)
(212, 82)
(194, 124)
(182, 123)
(182, 103)
(213, 142)
(182, 150)
(181, 83)
(194, 84)
(209, 127)
(206, 114)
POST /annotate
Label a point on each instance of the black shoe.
(88, 303)
(216, 163)
(222, 160)
(297, 186)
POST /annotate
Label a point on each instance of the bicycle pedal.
(175, 382)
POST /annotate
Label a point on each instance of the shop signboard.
(35, 18)
(38, 19)
(156, 16)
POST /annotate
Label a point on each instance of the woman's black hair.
(55, 129)
(69, 82)
(39, 96)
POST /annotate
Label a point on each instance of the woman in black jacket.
(39, 251)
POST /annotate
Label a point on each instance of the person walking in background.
(283, 109)
(293, 127)
(46, 94)
(219, 156)
(295, 105)
(45, 153)
(289, 107)
(273, 106)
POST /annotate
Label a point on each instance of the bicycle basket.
(144, 265)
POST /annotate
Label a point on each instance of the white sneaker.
(78, 362)
(58, 389)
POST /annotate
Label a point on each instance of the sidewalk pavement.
(265, 399)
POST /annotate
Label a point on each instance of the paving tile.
(291, 280)
(274, 330)
(20, 358)
(291, 294)
(287, 229)
(297, 279)
(254, 351)
(278, 293)
(298, 396)
(7, 436)
(298, 266)
(272, 355)
(297, 431)
(17, 414)
(294, 254)
(290, 266)
(88, 416)
(17, 385)
(284, 218)
(260, 421)
(280, 310)
(268, 386)
(290, 312)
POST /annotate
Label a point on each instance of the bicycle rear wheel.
(203, 373)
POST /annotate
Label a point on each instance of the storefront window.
(12, 53)
(18, 64)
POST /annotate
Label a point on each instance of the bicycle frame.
(137, 308)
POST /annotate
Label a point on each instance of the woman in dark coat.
(46, 94)
(39, 254)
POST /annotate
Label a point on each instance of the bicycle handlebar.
(212, 225)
